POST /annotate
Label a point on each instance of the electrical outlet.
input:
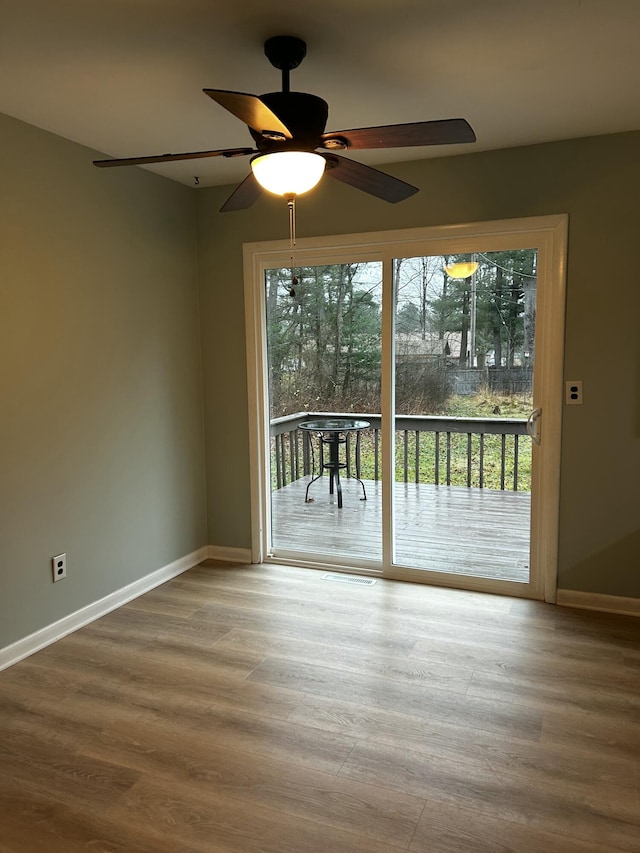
(59, 567)
(573, 393)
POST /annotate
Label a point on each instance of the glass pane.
(324, 342)
(464, 356)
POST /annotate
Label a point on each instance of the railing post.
(376, 447)
(278, 462)
(406, 454)
(293, 446)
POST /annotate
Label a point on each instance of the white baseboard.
(45, 636)
(595, 601)
(229, 555)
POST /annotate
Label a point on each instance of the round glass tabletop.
(334, 425)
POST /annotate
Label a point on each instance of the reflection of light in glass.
(464, 269)
(288, 173)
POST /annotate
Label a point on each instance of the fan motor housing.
(303, 114)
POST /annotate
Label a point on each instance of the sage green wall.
(597, 182)
(101, 427)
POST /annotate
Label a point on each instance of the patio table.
(332, 433)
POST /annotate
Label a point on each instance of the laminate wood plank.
(71, 722)
(204, 697)
(91, 646)
(617, 699)
(141, 663)
(399, 728)
(439, 738)
(298, 626)
(588, 624)
(268, 737)
(36, 823)
(622, 634)
(198, 814)
(153, 686)
(583, 731)
(43, 765)
(430, 628)
(515, 658)
(528, 797)
(291, 605)
(451, 829)
(153, 628)
(157, 601)
(37, 674)
(261, 781)
(191, 599)
(518, 636)
(410, 698)
(378, 662)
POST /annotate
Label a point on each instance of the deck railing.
(474, 452)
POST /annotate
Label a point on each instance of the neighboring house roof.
(414, 345)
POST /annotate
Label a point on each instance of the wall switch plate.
(59, 567)
(573, 393)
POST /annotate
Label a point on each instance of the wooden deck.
(477, 532)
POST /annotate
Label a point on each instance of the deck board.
(478, 532)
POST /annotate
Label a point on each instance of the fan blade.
(167, 158)
(370, 180)
(250, 110)
(243, 196)
(444, 132)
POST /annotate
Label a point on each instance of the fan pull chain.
(291, 204)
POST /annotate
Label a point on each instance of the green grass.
(487, 404)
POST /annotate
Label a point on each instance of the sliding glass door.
(397, 399)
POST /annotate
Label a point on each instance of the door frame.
(547, 234)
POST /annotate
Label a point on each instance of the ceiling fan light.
(288, 173)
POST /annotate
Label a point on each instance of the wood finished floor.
(267, 710)
(481, 532)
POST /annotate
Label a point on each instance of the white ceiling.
(125, 77)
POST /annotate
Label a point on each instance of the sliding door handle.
(532, 425)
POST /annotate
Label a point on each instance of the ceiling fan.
(288, 129)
